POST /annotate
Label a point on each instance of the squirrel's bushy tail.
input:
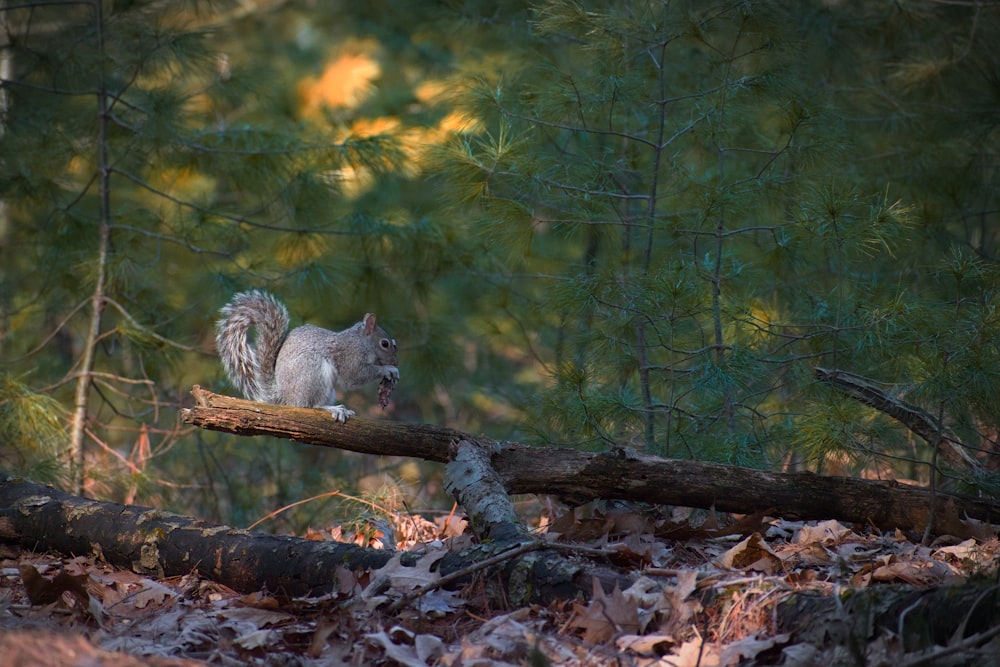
(251, 366)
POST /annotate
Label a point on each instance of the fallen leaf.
(917, 573)
(256, 639)
(752, 553)
(606, 615)
(799, 655)
(649, 646)
(749, 648)
(681, 609)
(258, 617)
(694, 653)
(438, 603)
(824, 532)
(408, 648)
(960, 551)
(42, 590)
(152, 592)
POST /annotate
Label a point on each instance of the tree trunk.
(85, 372)
(577, 476)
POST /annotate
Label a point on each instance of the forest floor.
(705, 594)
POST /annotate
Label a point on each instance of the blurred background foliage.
(588, 224)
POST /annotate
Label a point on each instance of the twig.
(521, 549)
(328, 494)
(933, 657)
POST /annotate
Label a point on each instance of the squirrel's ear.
(369, 322)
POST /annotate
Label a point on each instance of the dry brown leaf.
(49, 649)
(916, 573)
(348, 581)
(645, 645)
(407, 577)
(42, 590)
(258, 617)
(408, 648)
(695, 653)
(824, 532)
(963, 550)
(450, 526)
(813, 554)
(753, 553)
(606, 615)
(324, 628)
(152, 593)
(258, 599)
(681, 608)
(394, 577)
(749, 648)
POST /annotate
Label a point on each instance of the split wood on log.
(577, 476)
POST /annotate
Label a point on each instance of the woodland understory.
(609, 582)
(697, 305)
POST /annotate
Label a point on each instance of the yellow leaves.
(373, 127)
(417, 145)
(346, 82)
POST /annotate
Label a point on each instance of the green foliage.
(33, 422)
(682, 209)
(204, 186)
(630, 223)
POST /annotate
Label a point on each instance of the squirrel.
(305, 366)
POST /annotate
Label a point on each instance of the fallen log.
(577, 477)
(162, 544)
(934, 622)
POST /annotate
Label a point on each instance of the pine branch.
(929, 428)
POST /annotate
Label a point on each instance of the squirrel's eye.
(384, 343)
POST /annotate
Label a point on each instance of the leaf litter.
(705, 592)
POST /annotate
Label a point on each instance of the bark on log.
(537, 575)
(957, 616)
(577, 476)
(160, 544)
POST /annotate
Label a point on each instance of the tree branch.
(577, 476)
(920, 422)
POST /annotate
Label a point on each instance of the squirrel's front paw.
(391, 372)
(339, 412)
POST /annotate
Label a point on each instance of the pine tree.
(656, 220)
(137, 205)
(691, 218)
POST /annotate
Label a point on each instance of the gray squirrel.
(305, 366)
